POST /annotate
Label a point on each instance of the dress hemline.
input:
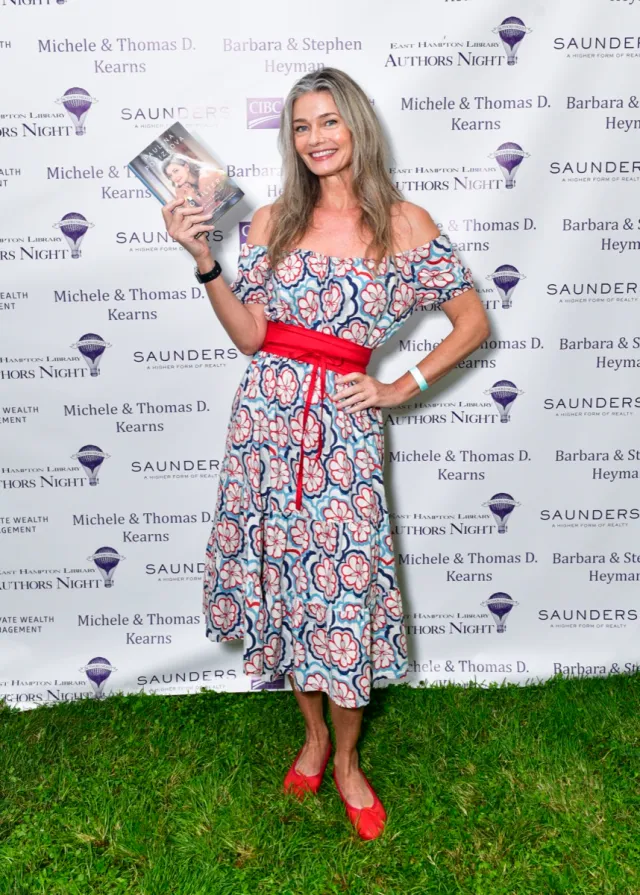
(378, 676)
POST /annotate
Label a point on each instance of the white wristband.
(419, 378)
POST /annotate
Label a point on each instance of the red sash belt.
(325, 352)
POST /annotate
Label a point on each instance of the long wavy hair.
(374, 190)
(194, 167)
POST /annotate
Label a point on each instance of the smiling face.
(178, 174)
(321, 136)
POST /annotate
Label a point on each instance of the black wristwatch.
(211, 275)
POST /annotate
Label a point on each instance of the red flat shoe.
(368, 822)
(298, 783)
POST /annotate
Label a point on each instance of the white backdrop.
(513, 483)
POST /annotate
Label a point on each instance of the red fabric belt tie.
(324, 352)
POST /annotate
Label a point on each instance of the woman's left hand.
(365, 392)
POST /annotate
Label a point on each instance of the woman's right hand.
(183, 222)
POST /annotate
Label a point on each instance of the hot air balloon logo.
(505, 279)
(92, 347)
(98, 670)
(77, 102)
(91, 458)
(500, 605)
(106, 560)
(511, 32)
(509, 157)
(73, 227)
(501, 506)
(504, 394)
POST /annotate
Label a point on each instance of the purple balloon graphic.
(77, 102)
(506, 278)
(106, 559)
(73, 227)
(504, 394)
(509, 156)
(511, 31)
(98, 670)
(500, 605)
(91, 458)
(501, 506)
(92, 347)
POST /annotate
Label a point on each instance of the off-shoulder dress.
(313, 592)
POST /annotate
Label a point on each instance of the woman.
(192, 180)
(300, 562)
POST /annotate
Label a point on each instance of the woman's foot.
(351, 781)
(300, 782)
(364, 808)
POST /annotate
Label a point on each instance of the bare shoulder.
(260, 226)
(412, 226)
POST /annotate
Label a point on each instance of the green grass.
(503, 790)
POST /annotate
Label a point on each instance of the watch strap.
(215, 271)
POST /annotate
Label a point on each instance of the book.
(177, 164)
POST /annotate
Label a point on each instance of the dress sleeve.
(252, 285)
(438, 274)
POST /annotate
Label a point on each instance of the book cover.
(176, 164)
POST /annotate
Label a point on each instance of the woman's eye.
(331, 121)
(299, 127)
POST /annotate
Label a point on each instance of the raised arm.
(245, 324)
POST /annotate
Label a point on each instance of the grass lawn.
(503, 790)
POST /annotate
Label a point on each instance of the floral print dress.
(313, 592)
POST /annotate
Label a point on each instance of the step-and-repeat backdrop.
(513, 483)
